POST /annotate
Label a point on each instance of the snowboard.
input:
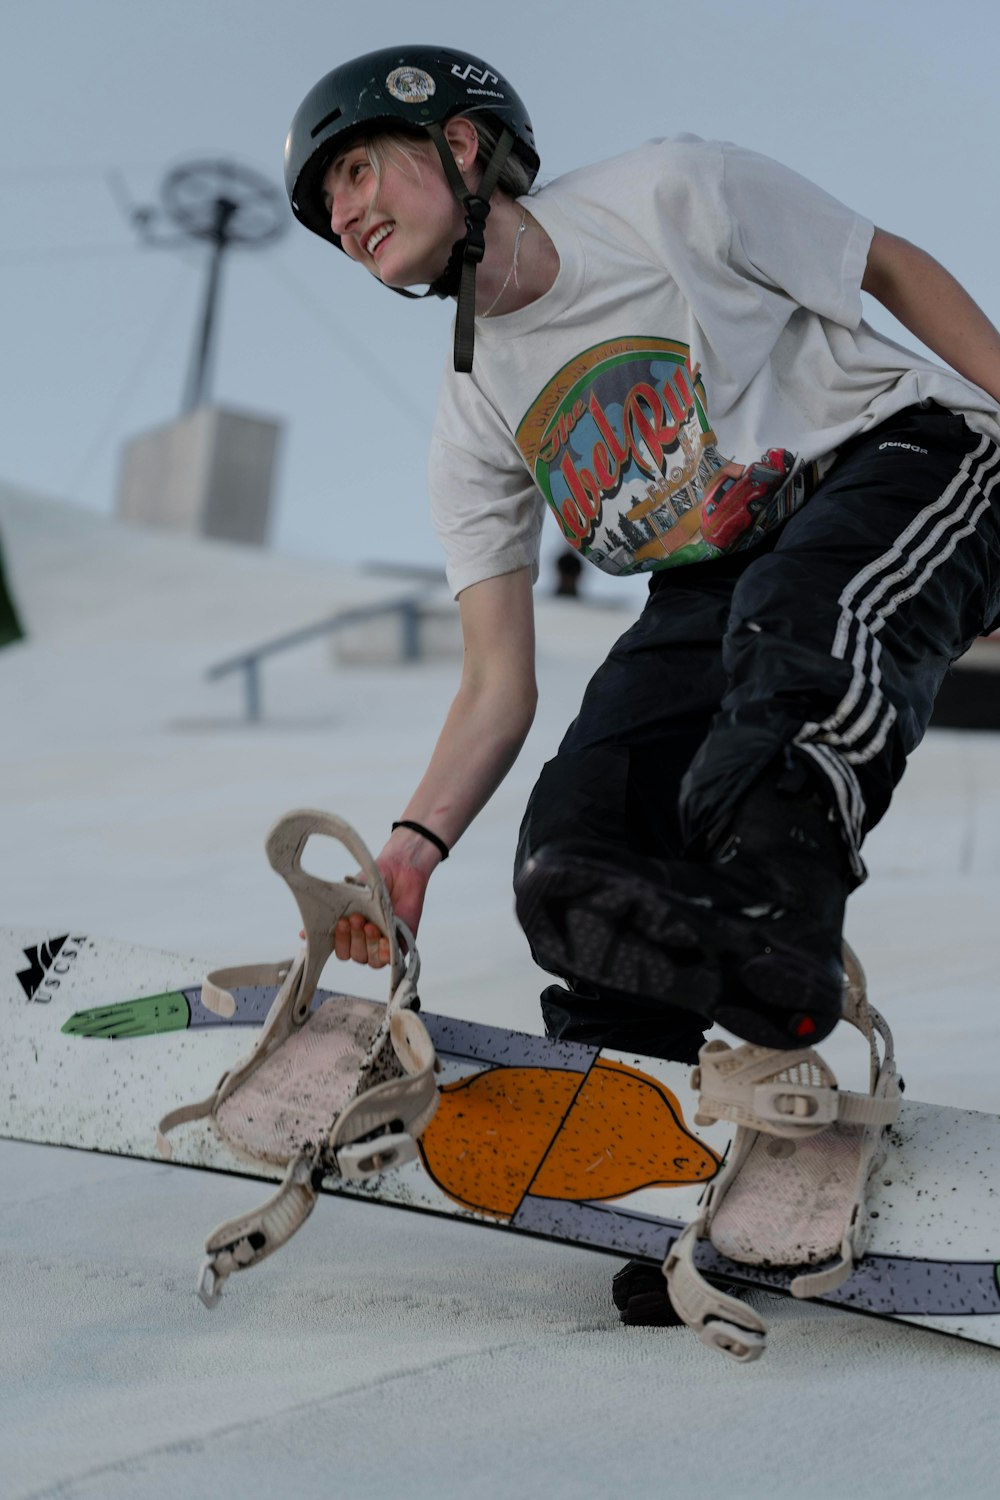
(590, 1148)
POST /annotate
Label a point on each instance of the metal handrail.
(407, 607)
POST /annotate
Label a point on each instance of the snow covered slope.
(383, 1354)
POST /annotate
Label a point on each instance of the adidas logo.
(47, 962)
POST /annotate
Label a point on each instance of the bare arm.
(482, 735)
(932, 305)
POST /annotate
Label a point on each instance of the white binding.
(378, 1128)
(789, 1094)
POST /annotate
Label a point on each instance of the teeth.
(377, 237)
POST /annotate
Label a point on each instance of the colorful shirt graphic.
(621, 446)
(704, 327)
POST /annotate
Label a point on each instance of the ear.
(464, 142)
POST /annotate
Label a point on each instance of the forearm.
(933, 306)
(482, 735)
(480, 740)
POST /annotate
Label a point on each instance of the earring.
(461, 161)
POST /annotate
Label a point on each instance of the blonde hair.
(379, 148)
(514, 180)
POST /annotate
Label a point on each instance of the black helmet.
(410, 88)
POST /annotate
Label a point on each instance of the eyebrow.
(333, 166)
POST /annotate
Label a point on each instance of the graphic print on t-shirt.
(621, 445)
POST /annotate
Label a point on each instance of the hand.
(362, 942)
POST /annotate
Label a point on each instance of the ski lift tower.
(210, 471)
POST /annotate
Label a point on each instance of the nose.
(339, 217)
(345, 210)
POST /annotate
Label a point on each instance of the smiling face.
(400, 219)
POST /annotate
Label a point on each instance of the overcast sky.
(890, 104)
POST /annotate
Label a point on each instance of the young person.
(668, 351)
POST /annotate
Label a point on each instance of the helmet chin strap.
(459, 275)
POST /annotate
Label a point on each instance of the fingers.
(361, 942)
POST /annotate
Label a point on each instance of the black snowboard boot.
(749, 935)
(639, 1291)
(616, 1021)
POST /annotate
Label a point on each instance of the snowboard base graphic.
(589, 1148)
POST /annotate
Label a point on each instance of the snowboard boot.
(749, 935)
(639, 1291)
(615, 1021)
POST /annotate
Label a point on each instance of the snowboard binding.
(792, 1192)
(342, 1089)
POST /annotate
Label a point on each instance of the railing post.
(253, 689)
(410, 621)
(408, 611)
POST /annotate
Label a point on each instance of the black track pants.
(833, 637)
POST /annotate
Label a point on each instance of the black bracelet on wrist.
(425, 833)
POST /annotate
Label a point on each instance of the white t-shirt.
(707, 309)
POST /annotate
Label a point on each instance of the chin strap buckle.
(477, 211)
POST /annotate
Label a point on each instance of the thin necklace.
(513, 266)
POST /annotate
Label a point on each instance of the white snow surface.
(384, 1353)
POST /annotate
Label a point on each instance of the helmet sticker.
(410, 85)
(478, 75)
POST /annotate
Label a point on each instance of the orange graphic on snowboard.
(576, 1137)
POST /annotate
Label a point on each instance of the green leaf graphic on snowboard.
(145, 1017)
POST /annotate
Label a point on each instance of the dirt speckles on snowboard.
(533, 1136)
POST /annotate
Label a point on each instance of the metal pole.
(410, 620)
(253, 690)
(198, 375)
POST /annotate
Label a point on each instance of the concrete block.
(210, 473)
